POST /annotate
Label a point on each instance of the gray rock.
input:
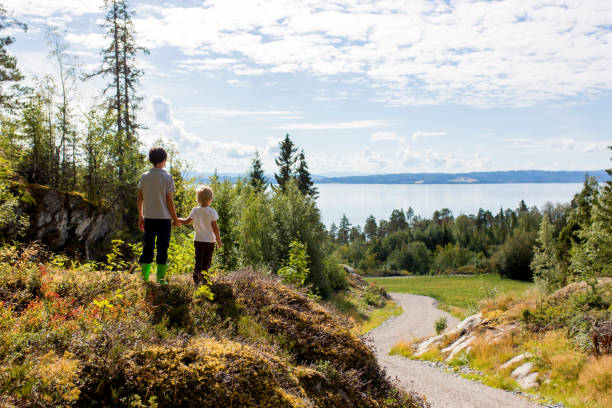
(515, 360)
(524, 377)
(469, 322)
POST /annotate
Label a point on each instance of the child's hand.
(177, 222)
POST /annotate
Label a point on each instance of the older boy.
(156, 213)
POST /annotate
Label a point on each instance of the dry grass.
(596, 380)
(403, 348)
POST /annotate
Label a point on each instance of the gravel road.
(442, 390)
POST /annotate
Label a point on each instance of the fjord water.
(358, 201)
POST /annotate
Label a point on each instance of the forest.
(553, 245)
(46, 140)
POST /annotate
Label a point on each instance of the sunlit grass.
(379, 316)
(459, 295)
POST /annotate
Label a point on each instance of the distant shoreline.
(492, 177)
(498, 177)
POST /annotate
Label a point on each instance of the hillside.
(82, 336)
(557, 346)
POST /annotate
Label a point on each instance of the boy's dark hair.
(157, 155)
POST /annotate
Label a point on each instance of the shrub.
(336, 275)
(295, 271)
(513, 258)
(440, 324)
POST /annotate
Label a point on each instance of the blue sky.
(363, 86)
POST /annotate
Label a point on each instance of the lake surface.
(358, 201)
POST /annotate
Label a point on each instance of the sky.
(363, 86)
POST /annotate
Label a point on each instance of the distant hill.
(492, 177)
(488, 177)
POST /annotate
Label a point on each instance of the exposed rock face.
(66, 221)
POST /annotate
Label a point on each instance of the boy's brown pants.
(203, 259)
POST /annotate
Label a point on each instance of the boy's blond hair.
(205, 195)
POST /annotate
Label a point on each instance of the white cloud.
(356, 124)
(383, 136)
(91, 41)
(422, 135)
(412, 52)
(202, 152)
(559, 144)
(50, 7)
(416, 52)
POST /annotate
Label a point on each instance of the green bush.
(295, 271)
(440, 324)
(335, 273)
(513, 258)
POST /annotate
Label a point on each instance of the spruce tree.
(286, 162)
(344, 230)
(304, 179)
(10, 76)
(593, 256)
(371, 228)
(257, 179)
(119, 66)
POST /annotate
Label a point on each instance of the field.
(459, 295)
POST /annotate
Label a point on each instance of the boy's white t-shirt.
(202, 223)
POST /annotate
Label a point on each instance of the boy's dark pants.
(161, 230)
(203, 259)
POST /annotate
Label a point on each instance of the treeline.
(46, 138)
(553, 245)
(261, 223)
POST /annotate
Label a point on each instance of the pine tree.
(286, 162)
(371, 228)
(547, 271)
(344, 230)
(257, 179)
(304, 180)
(10, 76)
(119, 65)
(593, 256)
(333, 230)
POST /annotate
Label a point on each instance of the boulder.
(524, 377)
(469, 323)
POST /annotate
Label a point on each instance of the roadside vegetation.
(559, 340)
(366, 305)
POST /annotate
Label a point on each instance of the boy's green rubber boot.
(145, 270)
(161, 274)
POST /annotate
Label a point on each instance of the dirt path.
(443, 390)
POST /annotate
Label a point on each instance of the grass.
(365, 306)
(379, 316)
(459, 295)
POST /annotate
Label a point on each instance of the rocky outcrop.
(66, 221)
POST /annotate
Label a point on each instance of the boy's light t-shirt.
(154, 185)
(203, 218)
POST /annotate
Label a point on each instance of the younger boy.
(204, 221)
(156, 213)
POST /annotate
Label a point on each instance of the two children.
(157, 214)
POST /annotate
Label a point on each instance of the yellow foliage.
(57, 377)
